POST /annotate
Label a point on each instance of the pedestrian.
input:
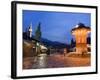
(65, 51)
(48, 51)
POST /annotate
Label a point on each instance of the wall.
(5, 40)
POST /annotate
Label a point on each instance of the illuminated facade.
(80, 33)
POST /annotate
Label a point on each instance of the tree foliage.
(38, 32)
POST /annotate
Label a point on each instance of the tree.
(38, 32)
(38, 37)
(72, 43)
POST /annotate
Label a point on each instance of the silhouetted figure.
(48, 51)
(65, 51)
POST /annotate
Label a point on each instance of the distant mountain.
(46, 42)
(55, 44)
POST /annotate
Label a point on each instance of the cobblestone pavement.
(55, 61)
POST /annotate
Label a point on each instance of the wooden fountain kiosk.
(80, 33)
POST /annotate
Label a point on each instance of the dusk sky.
(55, 26)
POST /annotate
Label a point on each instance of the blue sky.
(55, 26)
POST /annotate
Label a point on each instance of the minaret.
(30, 30)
